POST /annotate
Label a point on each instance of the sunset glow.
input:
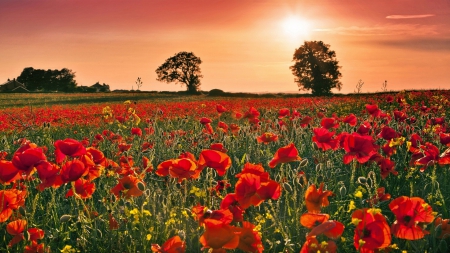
(244, 45)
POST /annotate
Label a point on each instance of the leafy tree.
(183, 68)
(48, 80)
(316, 68)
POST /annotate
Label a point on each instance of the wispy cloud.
(409, 16)
(380, 30)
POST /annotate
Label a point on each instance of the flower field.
(340, 174)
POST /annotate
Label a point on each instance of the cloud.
(380, 30)
(409, 16)
(421, 44)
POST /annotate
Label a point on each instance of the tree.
(48, 80)
(183, 68)
(316, 68)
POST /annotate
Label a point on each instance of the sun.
(295, 26)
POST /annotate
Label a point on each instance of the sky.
(244, 45)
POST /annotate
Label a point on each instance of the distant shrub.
(216, 92)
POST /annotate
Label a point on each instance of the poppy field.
(340, 174)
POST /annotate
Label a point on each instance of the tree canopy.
(182, 68)
(48, 80)
(316, 68)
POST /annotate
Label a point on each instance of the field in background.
(124, 172)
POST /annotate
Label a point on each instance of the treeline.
(48, 80)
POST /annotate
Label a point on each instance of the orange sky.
(242, 43)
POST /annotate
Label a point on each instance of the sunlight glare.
(295, 27)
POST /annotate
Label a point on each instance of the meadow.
(164, 173)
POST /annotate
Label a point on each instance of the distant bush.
(216, 92)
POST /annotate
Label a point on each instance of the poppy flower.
(372, 232)
(283, 113)
(73, 170)
(183, 168)
(444, 227)
(350, 119)
(312, 245)
(202, 213)
(311, 220)
(8, 202)
(219, 147)
(249, 239)
(35, 247)
(285, 154)
(358, 146)
(16, 228)
(317, 198)
(444, 139)
(388, 133)
(223, 126)
(411, 214)
(26, 157)
(35, 234)
(429, 157)
(68, 147)
(205, 121)
(221, 185)
(400, 115)
(266, 138)
(380, 196)
(305, 121)
(324, 139)
(387, 166)
(220, 109)
(230, 202)
(331, 229)
(113, 224)
(172, 245)
(128, 186)
(364, 128)
(328, 123)
(217, 160)
(8, 172)
(219, 235)
(83, 189)
(136, 131)
(373, 110)
(235, 129)
(251, 113)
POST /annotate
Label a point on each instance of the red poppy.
(317, 198)
(128, 186)
(49, 175)
(221, 185)
(444, 227)
(380, 196)
(350, 119)
(16, 228)
(372, 232)
(205, 121)
(412, 214)
(223, 126)
(208, 129)
(399, 115)
(331, 229)
(123, 146)
(251, 113)
(219, 235)
(249, 239)
(27, 156)
(373, 110)
(444, 139)
(219, 147)
(430, 156)
(35, 234)
(359, 147)
(312, 245)
(68, 147)
(324, 139)
(388, 133)
(35, 248)
(217, 160)
(266, 138)
(73, 170)
(113, 224)
(283, 113)
(8, 202)
(305, 121)
(387, 166)
(202, 213)
(220, 109)
(285, 154)
(172, 245)
(328, 123)
(136, 131)
(83, 189)
(235, 129)
(183, 168)
(230, 202)
(8, 172)
(311, 220)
